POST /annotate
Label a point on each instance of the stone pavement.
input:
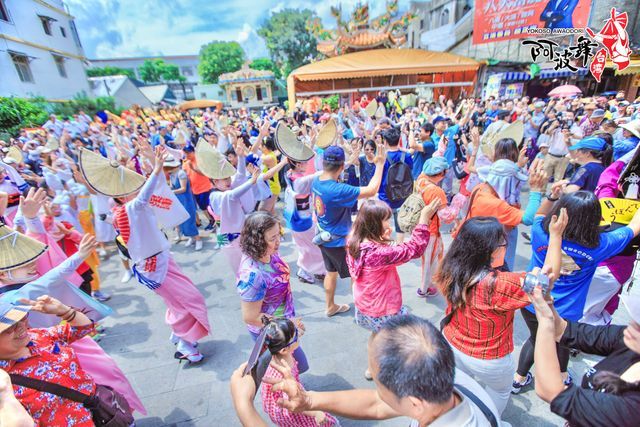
(182, 395)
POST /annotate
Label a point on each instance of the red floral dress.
(53, 360)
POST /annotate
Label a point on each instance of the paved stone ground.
(181, 395)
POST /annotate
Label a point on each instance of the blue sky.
(124, 28)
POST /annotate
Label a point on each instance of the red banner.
(497, 20)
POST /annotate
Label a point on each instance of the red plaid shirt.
(483, 328)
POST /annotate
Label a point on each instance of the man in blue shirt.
(444, 139)
(629, 141)
(332, 201)
(422, 146)
(395, 154)
(160, 138)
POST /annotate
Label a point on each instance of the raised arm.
(374, 185)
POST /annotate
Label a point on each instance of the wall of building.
(24, 33)
(249, 94)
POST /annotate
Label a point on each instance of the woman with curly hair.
(263, 277)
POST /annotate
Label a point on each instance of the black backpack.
(399, 181)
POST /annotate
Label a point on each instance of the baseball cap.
(438, 119)
(539, 104)
(333, 154)
(434, 166)
(597, 113)
(503, 114)
(589, 143)
(252, 159)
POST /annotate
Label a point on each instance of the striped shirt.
(483, 328)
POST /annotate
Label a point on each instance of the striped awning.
(547, 73)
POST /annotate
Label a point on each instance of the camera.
(532, 280)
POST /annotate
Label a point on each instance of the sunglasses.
(11, 329)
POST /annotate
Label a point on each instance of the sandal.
(342, 308)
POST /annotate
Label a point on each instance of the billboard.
(497, 20)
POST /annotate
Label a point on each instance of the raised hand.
(428, 211)
(47, 305)
(299, 400)
(88, 244)
(30, 205)
(559, 223)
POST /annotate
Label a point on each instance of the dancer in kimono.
(27, 272)
(140, 239)
(13, 185)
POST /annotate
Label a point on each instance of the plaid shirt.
(483, 328)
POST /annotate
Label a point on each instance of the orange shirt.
(431, 192)
(487, 203)
(199, 183)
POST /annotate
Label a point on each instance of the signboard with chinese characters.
(511, 90)
(493, 86)
(497, 20)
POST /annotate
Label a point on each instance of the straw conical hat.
(380, 112)
(52, 143)
(15, 154)
(289, 145)
(371, 108)
(513, 130)
(180, 138)
(633, 127)
(108, 177)
(16, 249)
(327, 134)
(211, 162)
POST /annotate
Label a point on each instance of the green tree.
(171, 73)
(151, 70)
(219, 57)
(110, 71)
(290, 43)
(265, 64)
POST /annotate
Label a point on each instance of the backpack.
(399, 181)
(409, 212)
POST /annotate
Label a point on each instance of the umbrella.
(565, 90)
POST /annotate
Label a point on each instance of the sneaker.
(431, 292)
(198, 245)
(189, 242)
(569, 380)
(305, 277)
(126, 276)
(101, 296)
(177, 239)
(516, 387)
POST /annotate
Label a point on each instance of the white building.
(40, 51)
(188, 65)
(121, 88)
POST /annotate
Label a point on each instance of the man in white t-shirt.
(414, 372)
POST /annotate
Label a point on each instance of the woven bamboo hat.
(10, 314)
(327, 134)
(52, 143)
(211, 162)
(371, 108)
(15, 154)
(633, 127)
(289, 145)
(108, 177)
(16, 249)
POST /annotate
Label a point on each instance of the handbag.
(108, 407)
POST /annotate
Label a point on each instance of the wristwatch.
(551, 199)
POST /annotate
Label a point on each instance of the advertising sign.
(497, 20)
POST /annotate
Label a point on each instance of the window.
(444, 18)
(187, 71)
(59, 60)
(46, 24)
(259, 93)
(21, 62)
(203, 95)
(238, 96)
(63, 32)
(4, 15)
(422, 24)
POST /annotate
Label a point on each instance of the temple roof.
(245, 74)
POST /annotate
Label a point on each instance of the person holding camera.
(584, 246)
(556, 160)
(482, 300)
(609, 394)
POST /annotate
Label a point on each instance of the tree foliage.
(290, 43)
(110, 71)
(219, 57)
(152, 70)
(265, 64)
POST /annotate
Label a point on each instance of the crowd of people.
(362, 190)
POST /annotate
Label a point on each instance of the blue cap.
(252, 159)
(435, 165)
(347, 134)
(438, 119)
(589, 143)
(333, 154)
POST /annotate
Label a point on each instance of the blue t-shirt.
(580, 263)
(586, 177)
(450, 151)
(392, 157)
(420, 157)
(332, 202)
